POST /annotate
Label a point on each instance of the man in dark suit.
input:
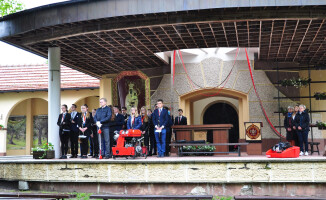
(64, 124)
(180, 120)
(118, 123)
(125, 116)
(160, 121)
(74, 130)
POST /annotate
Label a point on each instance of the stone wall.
(246, 170)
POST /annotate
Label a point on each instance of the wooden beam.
(270, 40)
(313, 40)
(210, 25)
(226, 39)
(180, 36)
(236, 32)
(202, 35)
(295, 30)
(260, 24)
(279, 47)
(304, 36)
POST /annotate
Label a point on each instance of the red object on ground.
(120, 149)
(292, 152)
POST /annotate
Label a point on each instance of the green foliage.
(45, 147)
(222, 198)
(320, 95)
(206, 148)
(321, 125)
(10, 6)
(296, 82)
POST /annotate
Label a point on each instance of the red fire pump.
(129, 144)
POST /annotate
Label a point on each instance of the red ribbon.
(260, 102)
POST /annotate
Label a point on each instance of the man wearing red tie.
(160, 121)
(180, 120)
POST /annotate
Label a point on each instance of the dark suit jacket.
(119, 121)
(73, 126)
(162, 119)
(302, 120)
(183, 120)
(144, 125)
(88, 124)
(65, 124)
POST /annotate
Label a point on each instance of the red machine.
(129, 143)
(292, 152)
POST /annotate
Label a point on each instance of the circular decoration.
(253, 132)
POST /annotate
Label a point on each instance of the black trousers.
(74, 142)
(64, 138)
(84, 146)
(168, 140)
(152, 145)
(94, 141)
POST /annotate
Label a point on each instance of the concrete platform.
(172, 175)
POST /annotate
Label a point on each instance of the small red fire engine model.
(129, 144)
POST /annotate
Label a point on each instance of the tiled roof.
(35, 77)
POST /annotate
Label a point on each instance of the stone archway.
(187, 103)
(31, 116)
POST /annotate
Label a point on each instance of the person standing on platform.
(134, 120)
(294, 129)
(85, 124)
(102, 119)
(180, 120)
(64, 124)
(94, 147)
(119, 120)
(145, 126)
(168, 132)
(111, 125)
(288, 125)
(74, 131)
(160, 121)
(125, 116)
(302, 126)
(152, 142)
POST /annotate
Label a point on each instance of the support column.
(54, 98)
(29, 126)
(106, 89)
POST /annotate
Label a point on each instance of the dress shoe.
(91, 155)
(84, 157)
(63, 157)
(107, 157)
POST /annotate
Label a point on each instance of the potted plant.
(321, 125)
(1, 126)
(206, 148)
(320, 95)
(46, 151)
(296, 82)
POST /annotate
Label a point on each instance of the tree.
(10, 6)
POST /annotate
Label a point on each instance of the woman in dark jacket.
(134, 120)
(85, 129)
(145, 126)
(302, 126)
(64, 124)
(288, 124)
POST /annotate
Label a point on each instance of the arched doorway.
(222, 113)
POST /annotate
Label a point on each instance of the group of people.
(296, 123)
(84, 128)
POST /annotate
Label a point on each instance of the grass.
(19, 144)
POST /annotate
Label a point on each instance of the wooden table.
(220, 133)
